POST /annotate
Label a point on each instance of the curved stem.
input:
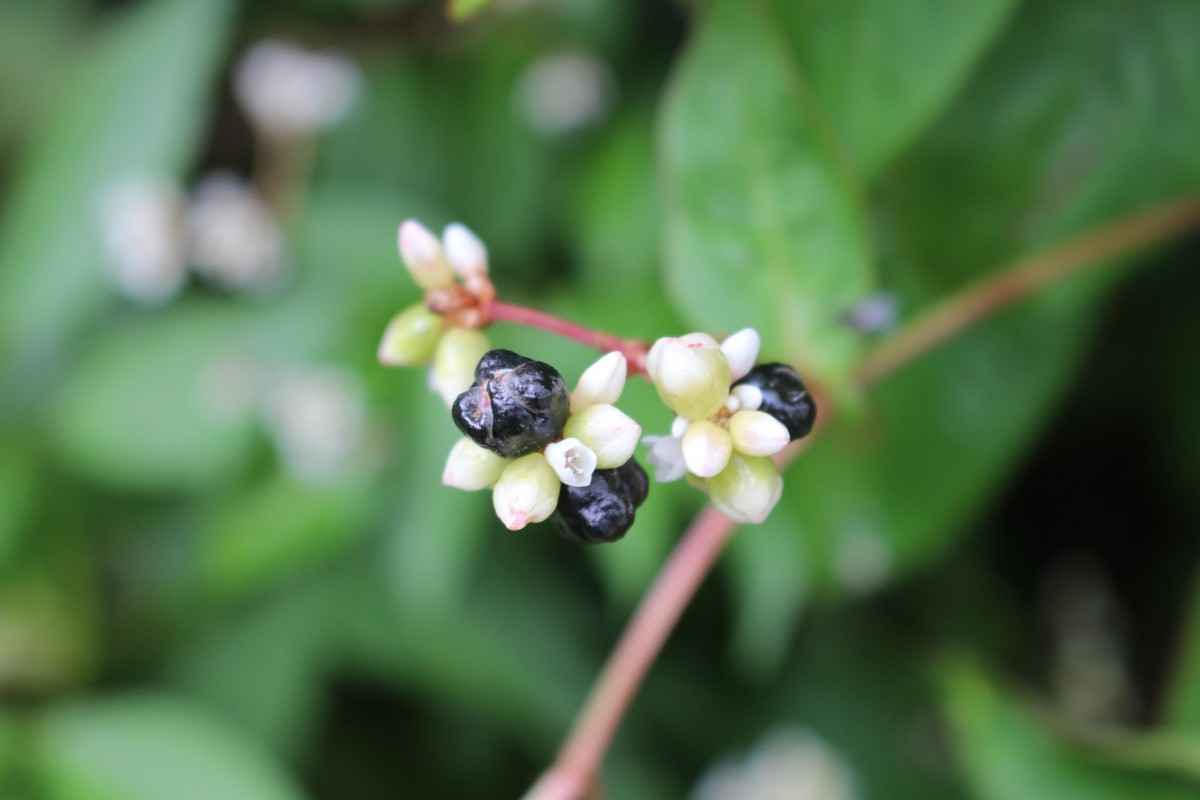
(1007, 286)
(573, 774)
(579, 759)
(633, 349)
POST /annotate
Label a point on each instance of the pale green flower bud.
(410, 337)
(572, 460)
(471, 467)
(741, 349)
(609, 432)
(602, 382)
(526, 492)
(423, 255)
(454, 362)
(747, 489)
(690, 373)
(706, 448)
(465, 251)
(757, 433)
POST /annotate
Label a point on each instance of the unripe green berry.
(411, 337)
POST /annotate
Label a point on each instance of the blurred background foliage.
(227, 565)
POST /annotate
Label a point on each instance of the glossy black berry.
(516, 405)
(784, 397)
(603, 510)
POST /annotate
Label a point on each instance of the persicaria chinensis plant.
(547, 452)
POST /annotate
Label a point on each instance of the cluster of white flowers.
(719, 437)
(788, 764)
(317, 419)
(417, 335)
(597, 435)
(567, 92)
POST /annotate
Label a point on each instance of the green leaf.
(279, 528)
(133, 106)
(159, 404)
(1037, 149)
(18, 484)
(882, 70)
(764, 226)
(150, 747)
(1008, 754)
(465, 9)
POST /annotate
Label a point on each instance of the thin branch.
(634, 350)
(1014, 283)
(579, 760)
(574, 773)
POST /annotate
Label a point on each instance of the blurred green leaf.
(1183, 701)
(151, 747)
(164, 402)
(1009, 755)
(882, 70)
(765, 228)
(280, 527)
(33, 37)
(892, 489)
(18, 483)
(465, 9)
(133, 106)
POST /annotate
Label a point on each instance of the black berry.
(603, 510)
(516, 405)
(784, 397)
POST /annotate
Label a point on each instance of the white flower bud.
(741, 349)
(679, 427)
(423, 255)
(747, 489)
(526, 492)
(466, 252)
(289, 91)
(470, 467)
(608, 431)
(757, 433)
(749, 397)
(454, 362)
(602, 382)
(572, 460)
(666, 456)
(706, 448)
(690, 373)
(410, 337)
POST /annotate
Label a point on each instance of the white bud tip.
(526, 492)
(679, 427)
(572, 460)
(609, 432)
(757, 433)
(741, 350)
(706, 448)
(423, 255)
(749, 397)
(601, 383)
(470, 467)
(466, 251)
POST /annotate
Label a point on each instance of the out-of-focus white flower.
(789, 763)
(287, 90)
(874, 314)
(317, 418)
(666, 456)
(234, 238)
(563, 93)
(141, 232)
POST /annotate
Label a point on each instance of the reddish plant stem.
(579, 760)
(634, 350)
(573, 774)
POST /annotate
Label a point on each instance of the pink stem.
(633, 349)
(574, 773)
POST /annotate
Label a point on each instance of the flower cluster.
(446, 336)
(543, 450)
(732, 416)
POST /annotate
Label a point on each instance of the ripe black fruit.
(784, 397)
(516, 405)
(603, 510)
